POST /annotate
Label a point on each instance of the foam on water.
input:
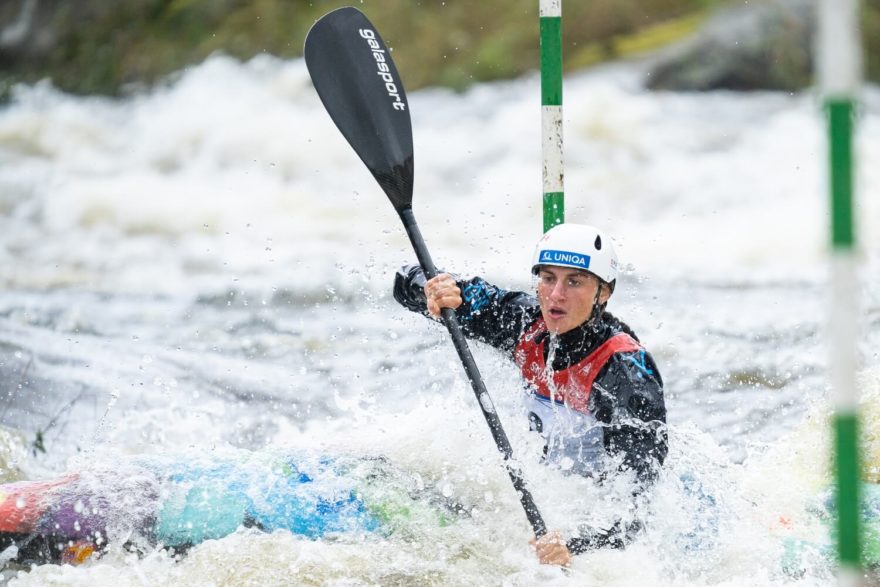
(712, 522)
(167, 189)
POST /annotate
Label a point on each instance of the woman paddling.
(594, 393)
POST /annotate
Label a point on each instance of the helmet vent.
(598, 243)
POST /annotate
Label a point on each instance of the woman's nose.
(558, 291)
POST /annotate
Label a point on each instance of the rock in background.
(758, 45)
(19, 37)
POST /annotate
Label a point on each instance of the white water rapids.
(207, 266)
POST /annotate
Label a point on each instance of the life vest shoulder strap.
(619, 343)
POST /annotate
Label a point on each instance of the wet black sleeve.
(488, 313)
(627, 397)
(409, 289)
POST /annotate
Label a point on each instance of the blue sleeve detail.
(640, 362)
(477, 295)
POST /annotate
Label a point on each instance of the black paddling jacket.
(600, 405)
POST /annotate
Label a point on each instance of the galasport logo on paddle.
(565, 258)
(382, 65)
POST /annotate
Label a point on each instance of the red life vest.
(572, 385)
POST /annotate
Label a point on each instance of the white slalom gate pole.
(839, 73)
(551, 112)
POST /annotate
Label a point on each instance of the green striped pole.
(551, 111)
(839, 69)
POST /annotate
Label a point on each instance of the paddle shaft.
(473, 375)
(353, 73)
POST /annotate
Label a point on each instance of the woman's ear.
(604, 293)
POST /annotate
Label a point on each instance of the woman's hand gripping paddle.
(358, 83)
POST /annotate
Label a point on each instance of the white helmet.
(579, 246)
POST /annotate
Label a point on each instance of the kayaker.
(599, 403)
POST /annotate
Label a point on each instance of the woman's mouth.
(556, 312)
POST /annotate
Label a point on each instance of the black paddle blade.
(358, 83)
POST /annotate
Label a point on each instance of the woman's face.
(566, 297)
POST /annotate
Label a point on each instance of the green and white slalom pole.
(839, 73)
(551, 112)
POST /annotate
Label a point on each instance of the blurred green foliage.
(871, 38)
(102, 45)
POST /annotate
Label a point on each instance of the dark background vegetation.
(105, 46)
